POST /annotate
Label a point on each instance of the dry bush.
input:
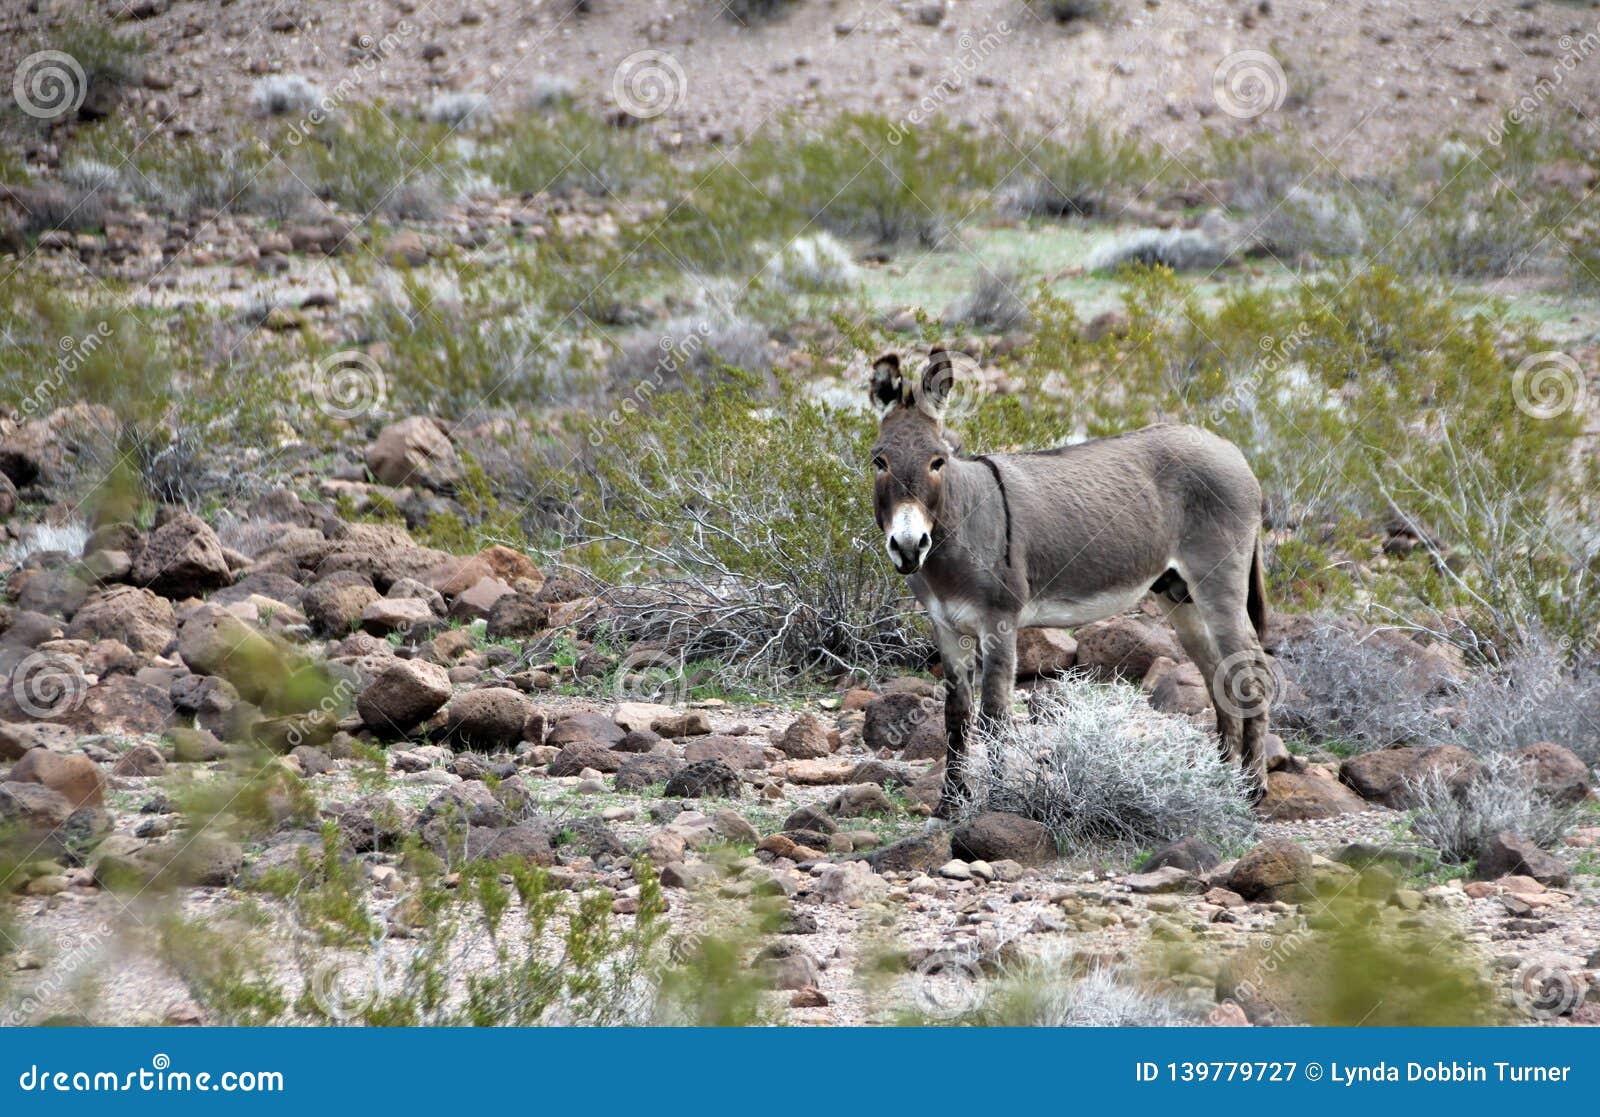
(1042, 993)
(1352, 690)
(284, 95)
(1103, 770)
(993, 304)
(1457, 822)
(1178, 249)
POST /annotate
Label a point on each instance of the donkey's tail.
(1256, 602)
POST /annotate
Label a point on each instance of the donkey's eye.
(935, 465)
(880, 465)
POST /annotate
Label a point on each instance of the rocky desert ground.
(441, 583)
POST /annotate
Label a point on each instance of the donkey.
(1059, 538)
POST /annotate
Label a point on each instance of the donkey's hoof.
(948, 809)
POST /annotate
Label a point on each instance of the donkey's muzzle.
(908, 551)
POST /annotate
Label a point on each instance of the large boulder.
(488, 719)
(182, 558)
(1044, 652)
(997, 836)
(73, 775)
(1192, 855)
(1302, 796)
(212, 641)
(32, 808)
(1386, 776)
(517, 616)
(805, 739)
(575, 757)
(414, 451)
(919, 853)
(334, 604)
(909, 724)
(131, 614)
(645, 770)
(1274, 870)
(706, 779)
(407, 693)
(1123, 647)
(587, 727)
(736, 752)
(1555, 772)
(1507, 854)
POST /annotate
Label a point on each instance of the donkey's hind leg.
(1198, 645)
(1241, 685)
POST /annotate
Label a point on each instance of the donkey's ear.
(938, 381)
(887, 383)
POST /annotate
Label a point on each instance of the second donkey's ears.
(888, 385)
(938, 380)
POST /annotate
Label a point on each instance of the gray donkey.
(1059, 538)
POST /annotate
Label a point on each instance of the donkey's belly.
(1071, 612)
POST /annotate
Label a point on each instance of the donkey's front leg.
(999, 677)
(957, 657)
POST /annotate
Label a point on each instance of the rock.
(396, 614)
(640, 772)
(414, 451)
(517, 616)
(1124, 647)
(923, 852)
(1167, 879)
(1044, 652)
(820, 773)
(478, 600)
(334, 604)
(638, 716)
(1274, 870)
(909, 724)
(194, 745)
(665, 847)
(574, 758)
(1508, 854)
(692, 723)
(733, 826)
(1177, 688)
(806, 739)
(374, 822)
(73, 775)
(810, 818)
(705, 779)
(997, 836)
(17, 737)
(1192, 855)
(404, 695)
(201, 860)
(182, 558)
(55, 592)
(637, 741)
(860, 799)
(1299, 796)
(882, 772)
(141, 760)
(488, 719)
(33, 808)
(212, 641)
(588, 727)
(120, 704)
(1555, 772)
(736, 752)
(850, 883)
(130, 614)
(1384, 776)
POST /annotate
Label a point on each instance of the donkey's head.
(910, 454)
